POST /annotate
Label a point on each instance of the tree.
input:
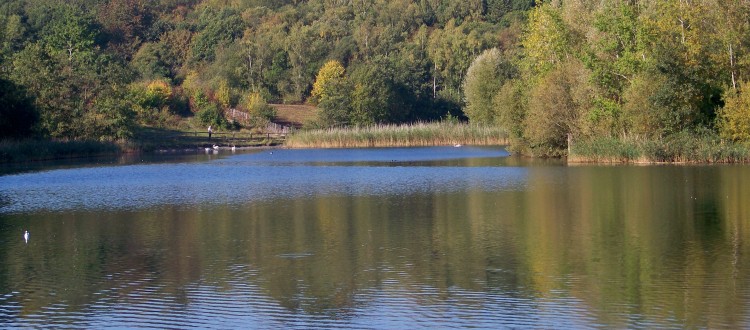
(17, 113)
(558, 105)
(483, 80)
(260, 112)
(223, 94)
(325, 81)
(148, 62)
(733, 119)
(221, 27)
(336, 108)
(510, 106)
(70, 33)
(547, 41)
(303, 49)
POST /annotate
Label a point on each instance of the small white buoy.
(26, 236)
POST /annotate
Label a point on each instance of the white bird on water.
(216, 147)
(458, 145)
(26, 236)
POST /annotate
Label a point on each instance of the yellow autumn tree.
(330, 73)
(223, 94)
(158, 92)
(733, 120)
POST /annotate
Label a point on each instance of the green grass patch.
(419, 134)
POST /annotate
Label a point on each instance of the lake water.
(373, 238)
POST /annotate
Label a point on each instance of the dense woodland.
(642, 70)
(96, 69)
(100, 69)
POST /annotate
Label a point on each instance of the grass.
(683, 147)
(294, 115)
(35, 150)
(420, 134)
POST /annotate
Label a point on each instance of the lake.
(373, 238)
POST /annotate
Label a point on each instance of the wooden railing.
(241, 136)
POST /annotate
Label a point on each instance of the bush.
(733, 120)
(260, 112)
(207, 112)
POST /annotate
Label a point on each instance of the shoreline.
(611, 154)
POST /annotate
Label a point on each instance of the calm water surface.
(373, 238)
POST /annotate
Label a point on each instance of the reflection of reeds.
(419, 134)
(27, 150)
(683, 147)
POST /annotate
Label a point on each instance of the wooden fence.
(235, 136)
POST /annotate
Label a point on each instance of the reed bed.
(411, 135)
(683, 147)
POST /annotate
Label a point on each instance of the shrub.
(733, 121)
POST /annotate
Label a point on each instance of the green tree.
(485, 76)
(70, 33)
(336, 108)
(207, 112)
(216, 28)
(17, 113)
(558, 105)
(510, 106)
(547, 41)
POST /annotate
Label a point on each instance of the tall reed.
(418, 134)
(682, 147)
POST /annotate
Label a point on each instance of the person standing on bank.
(209, 132)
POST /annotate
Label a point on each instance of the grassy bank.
(421, 134)
(33, 150)
(144, 140)
(151, 139)
(684, 147)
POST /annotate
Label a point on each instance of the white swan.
(458, 145)
(216, 147)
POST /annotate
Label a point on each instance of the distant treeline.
(633, 69)
(99, 69)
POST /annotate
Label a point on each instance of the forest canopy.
(634, 70)
(98, 69)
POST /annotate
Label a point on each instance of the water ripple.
(238, 180)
